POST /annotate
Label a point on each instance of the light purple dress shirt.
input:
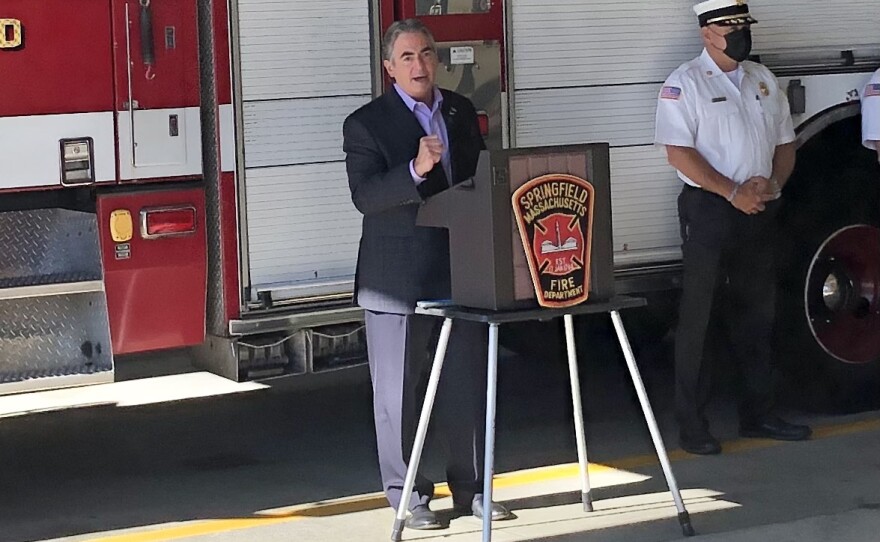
(431, 121)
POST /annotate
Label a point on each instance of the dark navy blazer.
(400, 263)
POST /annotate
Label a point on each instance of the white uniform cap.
(724, 12)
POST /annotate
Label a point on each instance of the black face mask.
(739, 44)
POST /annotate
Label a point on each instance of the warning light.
(168, 222)
(483, 120)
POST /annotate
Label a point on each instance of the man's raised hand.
(430, 152)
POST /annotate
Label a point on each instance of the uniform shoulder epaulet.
(683, 72)
(756, 68)
(692, 69)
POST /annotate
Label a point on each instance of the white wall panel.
(839, 24)
(287, 132)
(227, 138)
(618, 115)
(302, 226)
(644, 193)
(569, 43)
(304, 67)
(297, 49)
(30, 155)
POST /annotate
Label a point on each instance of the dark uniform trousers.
(723, 247)
(400, 349)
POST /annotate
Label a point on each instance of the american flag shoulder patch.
(872, 90)
(670, 93)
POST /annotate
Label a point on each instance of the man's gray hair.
(407, 26)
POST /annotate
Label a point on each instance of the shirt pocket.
(771, 112)
(769, 105)
(720, 122)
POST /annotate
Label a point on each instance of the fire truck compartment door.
(167, 142)
(300, 233)
(157, 81)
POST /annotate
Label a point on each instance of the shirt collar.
(411, 103)
(709, 66)
(711, 69)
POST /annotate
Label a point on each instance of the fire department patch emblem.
(554, 214)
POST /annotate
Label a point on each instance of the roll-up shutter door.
(304, 67)
(586, 71)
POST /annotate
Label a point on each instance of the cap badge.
(765, 90)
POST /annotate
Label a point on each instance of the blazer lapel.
(406, 122)
(450, 114)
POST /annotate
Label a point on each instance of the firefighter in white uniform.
(727, 129)
(871, 114)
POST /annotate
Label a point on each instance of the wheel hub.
(842, 294)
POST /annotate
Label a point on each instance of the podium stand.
(495, 319)
(492, 265)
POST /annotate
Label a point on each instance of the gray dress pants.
(400, 349)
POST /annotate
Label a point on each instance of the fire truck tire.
(827, 338)
(827, 352)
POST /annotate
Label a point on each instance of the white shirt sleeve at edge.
(675, 121)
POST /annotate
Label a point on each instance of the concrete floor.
(295, 460)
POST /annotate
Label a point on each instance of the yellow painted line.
(846, 428)
(375, 501)
(545, 474)
(748, 444)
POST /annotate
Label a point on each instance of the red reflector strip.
(168, 222)
(483, 120)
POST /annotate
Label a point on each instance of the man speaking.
(402, 148)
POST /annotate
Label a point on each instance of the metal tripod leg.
(683, 517)
(489, 458)
(422, 431)
(586, 493)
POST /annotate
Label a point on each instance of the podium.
(496, 280)
(488, 266)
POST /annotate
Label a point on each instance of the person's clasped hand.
(751, 196)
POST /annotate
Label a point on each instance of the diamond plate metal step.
(53, 336)
(48, 246)
(54, 327)
(62, 288)
(54, 382)
(48, 279)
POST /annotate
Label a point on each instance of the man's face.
(412, 66)
(714, 35)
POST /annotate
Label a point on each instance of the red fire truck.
(171, 172)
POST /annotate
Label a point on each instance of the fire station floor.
(294, 460)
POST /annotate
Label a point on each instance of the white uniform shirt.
(871, 112)
(736, 130)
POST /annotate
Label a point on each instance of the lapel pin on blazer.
(452, 112)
